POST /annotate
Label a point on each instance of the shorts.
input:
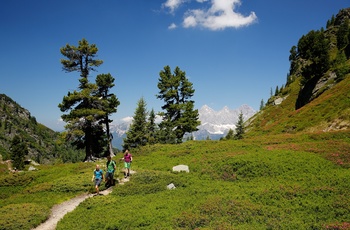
(109, 175)
(127, 165)
(98, 182)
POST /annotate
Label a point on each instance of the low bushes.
(22, 216)
(27, 197)
(247, 184)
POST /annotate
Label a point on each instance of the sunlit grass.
(287, 181)
(231, 185)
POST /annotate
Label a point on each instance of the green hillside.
(289, 182)
(231, 185)
(316, 96)
(44, 145)
(328, 112)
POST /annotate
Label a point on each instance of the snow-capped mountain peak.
(218, 123)
(214, 124)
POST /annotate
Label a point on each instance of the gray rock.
(171, 186)
(31, 168)
(279, 100)
(180, 168)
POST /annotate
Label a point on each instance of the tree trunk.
(110, 137)
(111, 153)
(88, 149)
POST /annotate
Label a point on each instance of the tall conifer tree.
(229, 135)
(262, 104)
(179, 117)
(83, 105)
(109, 104)
(239, 127)
(18, 151)
(137, 134)
(152, 128)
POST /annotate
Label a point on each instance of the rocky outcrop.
(342, 16)
(314, 88)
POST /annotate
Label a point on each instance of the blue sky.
(234, 52)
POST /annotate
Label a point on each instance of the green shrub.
(150, 182)
(280, 182)
(16, 179)
(190, 220)
(341, 71)
(22, 216)
(74, 183)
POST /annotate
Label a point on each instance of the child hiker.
(97, 178)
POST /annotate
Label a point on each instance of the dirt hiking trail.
(58, 211)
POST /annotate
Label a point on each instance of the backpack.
(113, 163)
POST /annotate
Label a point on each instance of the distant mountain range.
(119, 133)
(214, 124)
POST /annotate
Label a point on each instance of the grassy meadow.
(286, 181)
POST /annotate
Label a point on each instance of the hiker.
(97, 178)
(111, 166)
(127, 163)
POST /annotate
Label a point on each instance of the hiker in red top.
(127, 163)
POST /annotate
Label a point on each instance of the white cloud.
(173, 4)
(219, 16)
(60, 122)
(172, 26)
(127, 119)
(158, 119)
(191, 21)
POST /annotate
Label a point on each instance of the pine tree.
(239, 127)
(262, 104)
(165, 133)
(179, 117)
(293, 60)
(109, 104)
(276, 90)
(314, 47)
(18, 151)
(152, 128)
(84, 104)
(229, 135)
(330, 22)
(342, 35)
(137, 134)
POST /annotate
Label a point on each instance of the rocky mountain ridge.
(214, 124)
(16, 120)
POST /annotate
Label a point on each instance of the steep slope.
(316, 97)
(42, 142)
(330, 111)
